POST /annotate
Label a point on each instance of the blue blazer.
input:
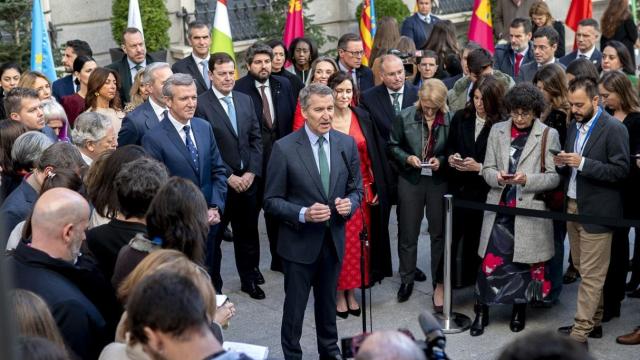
(378, 103)
(504, 58)
(136, 123)
(63, 87)
(596, 58)
(416, 29)
(16, 208)
(293, 182)
(164, 144)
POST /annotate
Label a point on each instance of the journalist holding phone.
(514, 248)
(418, 146)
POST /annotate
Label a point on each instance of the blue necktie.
(205, 73)
(231, 112)
(191, 147)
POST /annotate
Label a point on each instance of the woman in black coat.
(466, 148)
(617, 24)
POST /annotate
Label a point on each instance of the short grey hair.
(176, 80)
(89, 126)
(313, 89)
(53, 110)
(28, 148)
(387, 345)
(388, 57)
(149, 71)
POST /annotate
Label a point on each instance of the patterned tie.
(323, 164)
(191, 147)
(582, 56)
(516, 66)
(232, 113)
(205, 73)
(396, 103)
(266, 112)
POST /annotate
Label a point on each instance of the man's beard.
(586, 117)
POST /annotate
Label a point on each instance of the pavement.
(258, 321)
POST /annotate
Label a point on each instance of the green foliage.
(155, 22)
(394, 8)
(15, 22)
(271, 23)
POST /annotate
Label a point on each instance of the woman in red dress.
(74, 104)
(355, 123)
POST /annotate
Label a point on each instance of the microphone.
(435, 339)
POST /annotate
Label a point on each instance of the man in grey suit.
(313, 186)
(594, 161)
(545, 43)
(149, 113)
(197, 64)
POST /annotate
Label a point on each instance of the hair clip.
(157, 240)
(51, 174)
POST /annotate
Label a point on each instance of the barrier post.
(451, 322)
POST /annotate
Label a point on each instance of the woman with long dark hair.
(74, 104)
(617, 24)
(466, 148)
(615, 56)
(9, 78)
(443, 41)
(103, 96)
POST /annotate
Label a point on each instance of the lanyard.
(580, 148)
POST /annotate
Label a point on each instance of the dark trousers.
(272, 225)
(241, 211)
(616, 281)
(322, 275)
(467, 224)
(554, 266)
(211, 251)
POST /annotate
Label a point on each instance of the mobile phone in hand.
(425, 165)
(554, 151)
(508, 176)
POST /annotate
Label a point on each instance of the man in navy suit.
(67, 85)
(197, 64)
(587, 37)
(313, 186)
(545, 43)
(350, 52)
(508, 58)
(237, 131)
(134, 60)
(149, 114)
(187, 147)
(274, 106)
(419, 25)
(386, 100)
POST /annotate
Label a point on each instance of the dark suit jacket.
(504, 58)
(63, 87)
(450, 81)
(16, 208)
(378, 103)
(246, 146)
(296, 83)
(529, 70)
(606, 165)
(596, 58)
(365, 78)
(417, 29)
(164, 144)
(188, 66)
(122, 68)
(293, 182)
(136, 123)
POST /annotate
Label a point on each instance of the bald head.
(392, 74)
(59, 220)
(389, 345)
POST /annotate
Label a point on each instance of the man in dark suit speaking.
(313, 186)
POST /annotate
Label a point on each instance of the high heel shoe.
(355, 312)
(518, 317)
(436, 308)
(481, 320)
(342, 314)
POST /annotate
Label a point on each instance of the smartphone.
(458, 159)
(508, 176)
(425, 165)
(554, 151)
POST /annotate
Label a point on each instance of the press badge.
(426, 172)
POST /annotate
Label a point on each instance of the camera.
(409, 61)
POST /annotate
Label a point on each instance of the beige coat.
(533, 237)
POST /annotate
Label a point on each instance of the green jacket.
(406, 140)
(457, 96)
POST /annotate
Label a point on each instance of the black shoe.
(436, 308)
(596, 332)
(571, 276)
(610, 313)
(405, 292)
(632, 285)
(253, 290)
(257, 275)
(228, 235)
(419, 276)
(518, 317)
(354, 312)
(634, 294)
(481, 320)
(342, 314)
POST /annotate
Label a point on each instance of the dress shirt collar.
(198, 60)
(552, 61)
(313, 138)
(259, 84)
(400, 91)
(157, 108)
(132, 65)
(588, 54)
(584, 127)
(177, 124)
(221, 96)
(344, 67)
(426, 18)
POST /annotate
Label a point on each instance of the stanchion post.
(450, 322)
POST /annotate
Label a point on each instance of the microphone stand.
(364, 243)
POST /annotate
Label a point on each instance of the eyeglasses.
(354, 53)
(522, 115)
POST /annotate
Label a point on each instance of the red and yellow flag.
(294, 26)
(366, 30)
(481, 27)
(578, 10)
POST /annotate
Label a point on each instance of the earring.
(96, 94)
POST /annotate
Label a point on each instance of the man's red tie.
(516, 66)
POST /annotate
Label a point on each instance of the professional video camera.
(433, 345)
(409, 60)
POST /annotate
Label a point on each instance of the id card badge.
(426, 172)
(512, 151)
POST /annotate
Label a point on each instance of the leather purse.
(554, 198)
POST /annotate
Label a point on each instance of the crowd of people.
(120, 183)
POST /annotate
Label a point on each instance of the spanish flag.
(221, 40)
(367, 28)
(294, 26)
(481, 27)
(578, 10)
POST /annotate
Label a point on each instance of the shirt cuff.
(480, 172)
(301, 215)
(581, 164)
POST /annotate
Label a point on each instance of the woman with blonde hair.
(139, 92)
(540, 15)
(37, 81)
(418, 147)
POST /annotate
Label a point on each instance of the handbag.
(554, 198)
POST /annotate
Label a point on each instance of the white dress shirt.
(313, 139)
(354, 76)
(267, 91)
(180, 129)
(199, 63)
(400, 98)
(579, 145)
(132, 67)
(587, 54)
(157, 109)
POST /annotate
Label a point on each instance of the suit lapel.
(151, 118)
(195, 69)
(387, 106)
(174, 137)
(336, 159)
(595, 134)
(407, 100)
(536, 133)
(308, 160)
(571, 137)
(220, 113)
(505, 146)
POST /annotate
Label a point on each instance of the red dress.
(350, 272)
(73, 105)
(298, 120)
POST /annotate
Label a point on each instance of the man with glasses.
(545, 43)
(350, 53)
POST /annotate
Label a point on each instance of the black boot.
(518, 317)
(481, 320)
